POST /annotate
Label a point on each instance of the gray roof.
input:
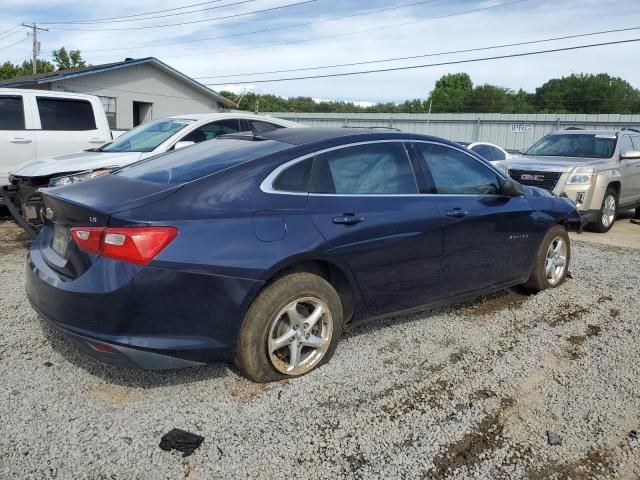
(43, 78)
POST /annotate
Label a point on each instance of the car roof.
(223, 115)
(47, 93)
(577, 131)
(301, 136)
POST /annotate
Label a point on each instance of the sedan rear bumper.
(148, 318)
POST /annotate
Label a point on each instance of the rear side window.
(636, 143)
(375, 168)
(259, 127)
(11, 113)
(484, 151)
(455, 172)
(295, 178)
(65, 114)
(625, 144)
(498, 154)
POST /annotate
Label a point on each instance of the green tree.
(451, 93)
(65, 60)
(9, 70)
(586, 93)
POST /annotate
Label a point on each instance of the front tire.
(608, 211)
(551, 262)
(292, 328)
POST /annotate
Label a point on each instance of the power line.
(280, 7)
(163, 16)
(413, 67)
(3, 36)
(98, 20)
(266, 30)
(436, 54)
(9, 46)
(324, 37)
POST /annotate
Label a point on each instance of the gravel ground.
(465, 392)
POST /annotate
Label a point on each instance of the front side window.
(375, 168)
(212, 130)
(65, 115)
(582, 145)
(147, 137)
(636, 143)
(625, 144)
(11, 113)
(455, 172)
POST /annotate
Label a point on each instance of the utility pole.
(36, 44)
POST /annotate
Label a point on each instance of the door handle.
(347, 219)
(457, 213)
(20, 140)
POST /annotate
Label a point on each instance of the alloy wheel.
(608, 211)
(556, 260)
(300, 335)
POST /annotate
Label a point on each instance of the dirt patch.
(469, 450)
(596, 463)
(245, 391)
(421, 399)
(505, 299)
(115, 395)
(483, 394)
(614, 313)
(12, 238)
(576, 341)
(567, 312)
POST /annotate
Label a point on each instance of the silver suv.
(599, 170)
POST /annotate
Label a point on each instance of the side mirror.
(511, 188)
(183, 144)
(630, 155)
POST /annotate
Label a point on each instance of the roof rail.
(374, 128)
(629, 129)
(574, 128)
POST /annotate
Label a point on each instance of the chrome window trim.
(267, 184)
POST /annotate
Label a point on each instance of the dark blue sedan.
(259, 249)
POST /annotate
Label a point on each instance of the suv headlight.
(581, 176)
(78, 177)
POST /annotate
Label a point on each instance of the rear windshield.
(200, 160)
(575, 145)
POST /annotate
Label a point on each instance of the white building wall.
(141, 83)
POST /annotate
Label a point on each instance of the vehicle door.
(65, 125)
(364, 200)
(16, 140)
(211, 130)
(635, 139)
(628, 171)
(489, 238)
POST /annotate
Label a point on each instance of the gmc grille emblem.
(532, 178)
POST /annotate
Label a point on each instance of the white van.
(37, 124)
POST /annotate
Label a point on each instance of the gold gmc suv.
(599, 170)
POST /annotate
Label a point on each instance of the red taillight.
(130, 244)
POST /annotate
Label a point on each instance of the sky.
(311, 34)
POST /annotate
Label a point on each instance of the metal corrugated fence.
(511, 131)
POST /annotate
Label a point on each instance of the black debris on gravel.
(180, 440)
(553, 438)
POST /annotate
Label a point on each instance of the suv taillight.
(137, 245)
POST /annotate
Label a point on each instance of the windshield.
(575, 145)
(147, 137)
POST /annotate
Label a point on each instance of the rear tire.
(608, 211)
(551, 262)
(292, 328)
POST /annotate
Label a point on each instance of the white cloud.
(520, 22)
